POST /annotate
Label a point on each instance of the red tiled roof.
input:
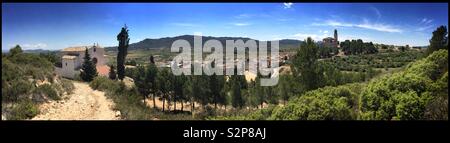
(103, 70)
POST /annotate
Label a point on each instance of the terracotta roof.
(69, 57)
(73, 49)
(103, 70)
(78, 48)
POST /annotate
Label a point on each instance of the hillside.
(419, 92)
(27, 81)
(167, 42)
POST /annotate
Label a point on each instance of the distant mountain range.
(166, 42)
(36, 51)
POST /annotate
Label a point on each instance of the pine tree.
(305, 65)
(183, 96)
(88, 69)
(260, 94)
(140, 82)
(164, 85)
(236, 95)
(178, 94)
(284, 88)
(217, 84)
(16, 50)
(187, 90)
(151, 76)
(439, 40)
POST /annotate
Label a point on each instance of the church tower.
(335, 35)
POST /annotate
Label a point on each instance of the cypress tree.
(123, 39)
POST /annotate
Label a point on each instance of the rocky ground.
(83, 104)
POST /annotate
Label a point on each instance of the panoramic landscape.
(101, 61)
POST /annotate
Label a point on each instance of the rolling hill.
(166, 42)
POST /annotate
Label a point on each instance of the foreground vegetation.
(420, 92)
(128, 101)
(378, 61)
(28, 80)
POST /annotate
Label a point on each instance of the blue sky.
(56, 26)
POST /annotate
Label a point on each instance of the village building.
(331, 41)
(73, 57)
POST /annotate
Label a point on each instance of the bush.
(437, 108)
(32, 65)
(329, 103)
(104, 84)
(261, 114)
(25, 109)
(19, 89)
(208, 112)
(408, 95)
(49, 90)
(67, 85)
(410, 106)
(20, 71)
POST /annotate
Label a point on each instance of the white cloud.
(424, 24)
(377, 12)
(379, 27)
(285, 19)
(184, 24)
(241, 16)
(426, 21)
(315, 37)
(366, 25)
(303, 36)
(423, 28)
(287, 5)
(33, 46)
(248, 16)
(323, 31)
(352, 37)
(332, 23)
(241, 24)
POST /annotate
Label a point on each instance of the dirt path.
(83, 104)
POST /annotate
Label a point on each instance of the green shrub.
(67, 86)
(408, 95)
(18, 90)
(25, 109)
(410, 106)
(207, 112)
(104, 84)
(329, 103)
(261, 114)
(32, 65)
(47, 90)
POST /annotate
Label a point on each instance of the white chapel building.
(73, 57)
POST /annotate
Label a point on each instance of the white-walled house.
(73, 57)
